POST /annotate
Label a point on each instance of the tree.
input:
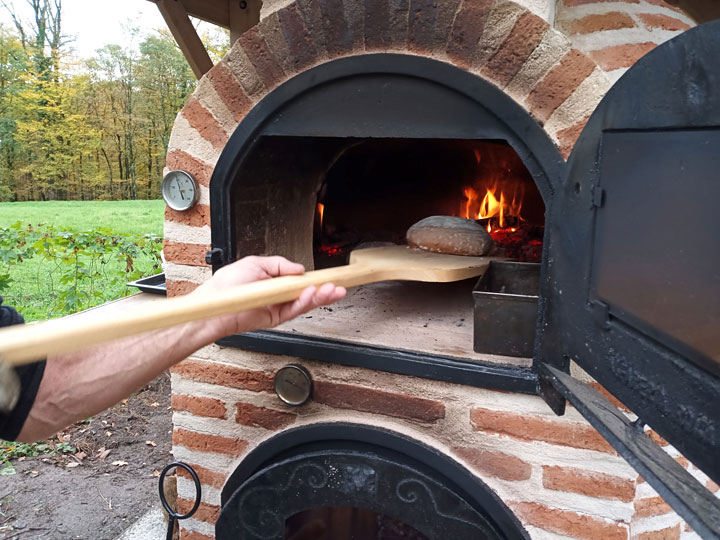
(165, 82)
(13, 63)
(99, 129)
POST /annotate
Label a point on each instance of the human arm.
(78, 385)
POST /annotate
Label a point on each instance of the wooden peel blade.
(31, 342)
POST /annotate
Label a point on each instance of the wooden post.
(183, 31)
(243, 14)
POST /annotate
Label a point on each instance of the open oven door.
(634, 266)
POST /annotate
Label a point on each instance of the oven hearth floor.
(432, 318)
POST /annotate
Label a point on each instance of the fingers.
(276, 266)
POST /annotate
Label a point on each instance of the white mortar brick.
(645, 491)
(581, 103)
(564, 14)
(500, 401)
(549, 51)
(609, 38)
(185, 387)
(186, 138)
(653, 523)
(212, 426)
(230, 396)
(209, 98)
(186, 490)
(237, 61)
(603, 508)
(182, 272)
(179, 232)
(196, 525)
(545, 9)
(499, 23)
(688, 535)
(539, 453)
(204, 195)
(215, 462)
(456, 428)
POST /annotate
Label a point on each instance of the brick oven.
(337, 122)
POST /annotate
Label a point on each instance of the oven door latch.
(215, 257)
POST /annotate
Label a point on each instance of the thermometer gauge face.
(180, 190)
(293, 384)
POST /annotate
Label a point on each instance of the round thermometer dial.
(180, 190)
(293, 384)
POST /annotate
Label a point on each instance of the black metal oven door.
(633, 290)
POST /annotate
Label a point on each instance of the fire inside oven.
(316, 199)
(379, 187)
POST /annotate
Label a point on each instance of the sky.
(94, 23)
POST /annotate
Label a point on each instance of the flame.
(471, 196)
(497, 204)
(321, 211)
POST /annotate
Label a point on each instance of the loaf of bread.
(450, 235)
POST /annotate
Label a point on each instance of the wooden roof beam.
(215, 12)
(182, 29)
(212, 11)
(243, 15)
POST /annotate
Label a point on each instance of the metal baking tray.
(505, 309)
(153, 284)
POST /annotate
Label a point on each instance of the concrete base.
(152, 526)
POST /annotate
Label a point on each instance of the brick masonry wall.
(556, 473)
(617, 33)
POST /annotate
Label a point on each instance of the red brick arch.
(497, 40)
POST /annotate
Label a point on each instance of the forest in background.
(86, 129)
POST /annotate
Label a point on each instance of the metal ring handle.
(198, 490)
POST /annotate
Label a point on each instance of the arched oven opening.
(335, 481)
(353, 152)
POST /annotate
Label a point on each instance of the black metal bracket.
(553, 398)
(686, 495)
(215, 257)
(427, 366)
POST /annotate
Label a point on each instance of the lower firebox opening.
(345, 481)
(347, 523)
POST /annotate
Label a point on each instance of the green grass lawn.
(38, 285)
(127, 217)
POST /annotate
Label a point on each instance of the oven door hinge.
(598, 197)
